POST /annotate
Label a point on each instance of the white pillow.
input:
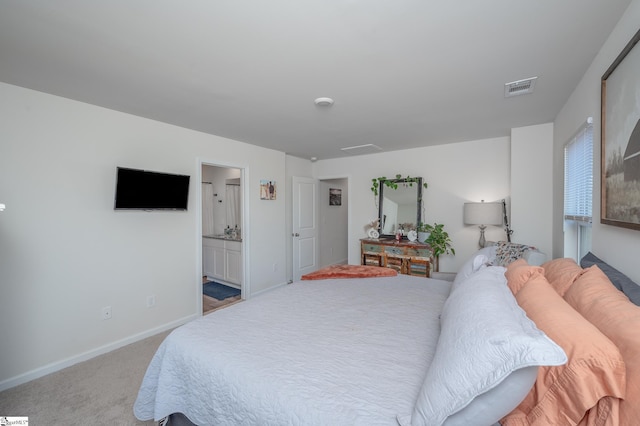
(494, 404)
(471, 266)
(485, 336)
(476, 263)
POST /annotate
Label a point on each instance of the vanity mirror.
(399, 205)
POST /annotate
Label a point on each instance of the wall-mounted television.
(147, 190)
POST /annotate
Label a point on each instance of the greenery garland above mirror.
(392, 183)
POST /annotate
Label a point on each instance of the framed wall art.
(267, 189)
(620, 137)
(335, 197)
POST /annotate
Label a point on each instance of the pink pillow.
(616, 317)
(519, 272)
(592, 379)
(561, 273)
(349, 271)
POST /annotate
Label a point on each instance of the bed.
(304, 351)
(397, 350)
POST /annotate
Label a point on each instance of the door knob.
(295, 234)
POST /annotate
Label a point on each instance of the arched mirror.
(400, 207)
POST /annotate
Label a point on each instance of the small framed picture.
(335, 197)
(267, 189)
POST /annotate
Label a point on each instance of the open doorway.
(333, 238)
(320, 223)
(222, 236)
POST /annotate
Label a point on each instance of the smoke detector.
(324, 101)
(520, 87)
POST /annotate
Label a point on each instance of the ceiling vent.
(361, 149)
(520, 87)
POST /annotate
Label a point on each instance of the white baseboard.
(57, 366)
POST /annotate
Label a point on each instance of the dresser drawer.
(233, 245)
(418, 252)
(406, 257)
(394, 250)
(371, 248)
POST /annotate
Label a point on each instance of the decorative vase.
(423, 236)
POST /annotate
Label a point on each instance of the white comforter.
(329, 352)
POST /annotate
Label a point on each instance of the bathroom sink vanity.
(222, 259)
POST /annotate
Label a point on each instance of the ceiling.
(402, 73)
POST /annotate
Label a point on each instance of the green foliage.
(438, 240)
(423, 227)
(392, 183)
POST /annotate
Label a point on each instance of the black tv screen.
(146, 190)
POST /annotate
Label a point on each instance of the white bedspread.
(330, 352)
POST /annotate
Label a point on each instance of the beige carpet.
(100, 391)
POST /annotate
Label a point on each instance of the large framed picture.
(620, 136)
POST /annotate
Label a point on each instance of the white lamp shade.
(483, 213)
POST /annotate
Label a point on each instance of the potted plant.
(439, 241)
(423, 231)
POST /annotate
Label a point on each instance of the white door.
(305, 226)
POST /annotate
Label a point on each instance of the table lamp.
(482, 214)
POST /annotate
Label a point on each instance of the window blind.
(578, 175)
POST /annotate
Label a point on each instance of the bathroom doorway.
(222, 236)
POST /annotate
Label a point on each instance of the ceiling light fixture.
(324, 101)
(361, 149)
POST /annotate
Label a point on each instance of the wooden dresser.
(406, 257)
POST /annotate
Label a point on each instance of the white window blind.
(578, 175)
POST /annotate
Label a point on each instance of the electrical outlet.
(151, 301)
(106, 313)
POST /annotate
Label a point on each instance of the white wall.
(618, 246)
(65, 253)
(532, 186)
(455, 173)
